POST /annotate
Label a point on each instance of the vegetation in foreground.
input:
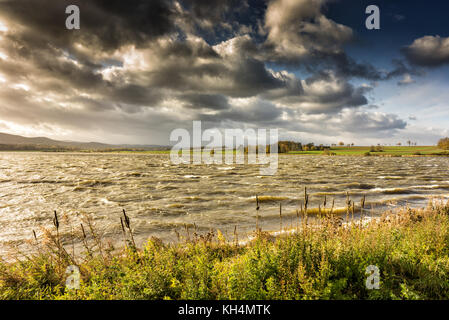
(325, 259)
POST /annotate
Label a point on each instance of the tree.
(399, 144)
(341, 143)
(287, 146)
(443, 144)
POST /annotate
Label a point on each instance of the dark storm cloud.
(233, 77)
(214, 16)
(134, 95)
(164, 63)
(402, 69)
(106, 24)
(428, 51)
(213, 10)
(255, 112)
(58, 73)
(364, 122)
(348, 67)
(326, 92)
(251, 77)
(300, 35)
(205, 101)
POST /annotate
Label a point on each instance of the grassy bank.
(338, 151)
(382, 151)
(323, 260)
(395, 151)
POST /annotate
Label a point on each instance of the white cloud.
(3, 27)
(407, 79)
(297, 29)
(429, 51)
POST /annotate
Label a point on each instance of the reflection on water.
(161, 197)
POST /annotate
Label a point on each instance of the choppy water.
(161, 197)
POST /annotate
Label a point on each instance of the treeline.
(287, 146)
(290, 146)
(49, 148)
(21, 147)
(443, 144)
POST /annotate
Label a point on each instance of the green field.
(387, 151)
(348, 151)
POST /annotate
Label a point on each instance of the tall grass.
(324, 259)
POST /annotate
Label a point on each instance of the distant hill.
(15, 142)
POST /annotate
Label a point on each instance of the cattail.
(56, 221)
(236, 240)
(348, 205)
(306, 203)
(306, 198)
(186, 227)
(127, 221)
(280, 215)
(89, 252)
(353, 209)
(257, 213)
(123, 231)
(56, 224)
(362, 207)
(84, 232)
(297, 220)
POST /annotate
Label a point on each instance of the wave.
(270, 198)
(134, 174)
(94, 183)
(392, 190)
(176, 205)
(410, 189)
(356, 185)
(390, 177)
(106, 201)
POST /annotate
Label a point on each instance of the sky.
(137, 70)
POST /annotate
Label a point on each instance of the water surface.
(161, 197)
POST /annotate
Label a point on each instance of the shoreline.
(335, 153)
(319, 261)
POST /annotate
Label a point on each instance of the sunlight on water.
(161, 197)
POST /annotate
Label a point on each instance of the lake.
(161, 197)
